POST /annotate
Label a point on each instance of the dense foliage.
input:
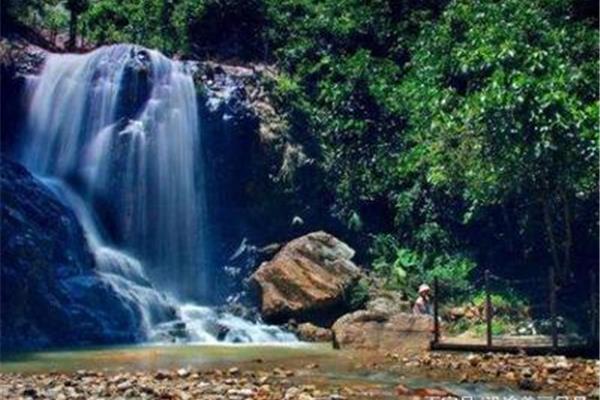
(449, 136)
(456, 137)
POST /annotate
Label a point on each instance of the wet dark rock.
(311, 333)
(170, 331)
(528, 384)
(50, 291)
(225, 95)
(162, 375)
(231, 150)
(17, 61)
(136, 85)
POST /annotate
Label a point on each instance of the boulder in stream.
(307, 280)
(373, 330)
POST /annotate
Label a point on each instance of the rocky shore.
(534, 376)
(181, 384)
(538, 374)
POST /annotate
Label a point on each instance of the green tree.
(503, 105)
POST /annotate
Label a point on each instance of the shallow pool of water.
(150, 357)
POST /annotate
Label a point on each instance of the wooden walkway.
(530, 345)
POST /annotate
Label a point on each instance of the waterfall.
(115, 134)
(121, 123)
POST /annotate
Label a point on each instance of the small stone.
(402, 390)
(527, 373)
(183, 373)
(123, 386)
(29, 392)
(432, 392)
(161, 375)
(264, 390)
(234, 371)
(528, 384)
(563, 365)
(292, 393)
(473, 360)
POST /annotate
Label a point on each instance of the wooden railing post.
(552, 282)
(436, 322)
(593, 336)
(488, 308)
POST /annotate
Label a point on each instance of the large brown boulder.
(307, 279)
(372, 330)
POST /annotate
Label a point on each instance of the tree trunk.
(508, 226)
(552, 271)
(568, 243)
(72, 31)
(550, 234)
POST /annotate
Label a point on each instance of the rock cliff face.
(307, 280)
(230, 146)
(17, 61)
(50, 292)
(248, 156)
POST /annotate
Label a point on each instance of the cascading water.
(116, 135)
(121, 122)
